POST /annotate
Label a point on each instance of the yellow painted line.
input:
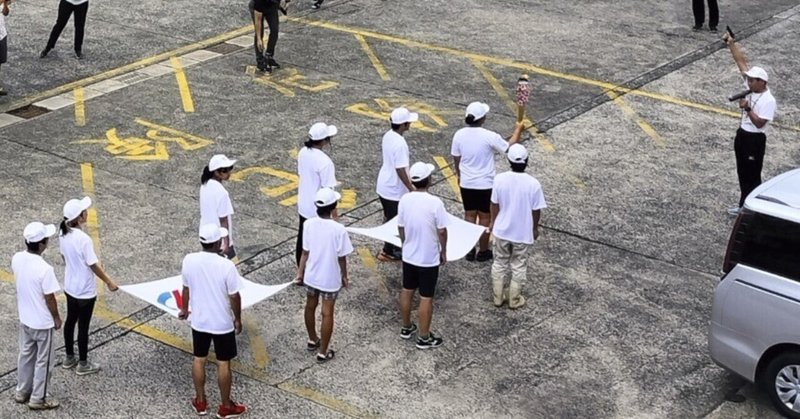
(257, 344)
(283, 90)
(129, 67)
(372, 57)
(371, 263)
(93, 221)
(6, 277)
(448, 174)
(630, 113)
(183, 85)
(324, 400)
(80, 109)
(546, 144)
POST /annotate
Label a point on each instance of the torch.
(523, 93)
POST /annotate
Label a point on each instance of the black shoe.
(261, 63)
(407, 332)
(317, 4)
(44, 53)
(471, 255)
(697, 27)
(79, 54)
(312, 346)
(3, 92)
(484, 255)
(272, 63)
(431, 342)
(713, 29)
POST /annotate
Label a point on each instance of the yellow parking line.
(183, 85)
(80, 110)
(448, 174)
(6, 276)
(324, 400)
(373, 58)
(630, 113)
(93, 221)
(371, 263)
(257, 344)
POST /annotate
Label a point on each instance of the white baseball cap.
(74, 207)
(321, 131)
(219, 161)
(403, 115)
(477, 109)
(420, 171)
(517, 153)
(36, 232)
(212, 233)
(326, 196)
(757, 73)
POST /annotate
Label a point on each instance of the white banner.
(461, 235)
(166, 293)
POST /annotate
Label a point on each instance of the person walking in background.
(3, 39)
(260, 11)
(699, 9)
(66, 8)
(215, 202)
(79, 284)
(38, 317)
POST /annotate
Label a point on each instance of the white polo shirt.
(476, 147)
(517, 194)
(421, 215)
(215, 203)
(763, 105)
(326, 241)
(395, 156)
(211, 280)
(315, 170)
(35, 279)
(78, 251)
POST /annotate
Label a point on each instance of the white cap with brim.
(517, 153)
(757, 73)
(220, 161)
(477, 109)
(326, 196)
(36, 232)
(403, 115)
(74, 207)
(212, 233)
(321, 131)
(420, 171)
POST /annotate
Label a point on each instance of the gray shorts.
(3, 50)
(313, 292)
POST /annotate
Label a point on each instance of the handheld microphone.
(740, 95)
(730, 32)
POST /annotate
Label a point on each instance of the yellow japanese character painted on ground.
(286, 81)
(289, 186)
(383, 107)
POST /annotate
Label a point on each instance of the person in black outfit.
(261, 10)
(65, 9)
(699, 9)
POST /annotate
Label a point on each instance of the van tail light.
(736, 241)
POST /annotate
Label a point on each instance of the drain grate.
(132, 78)
(28, 112)
(223, 48)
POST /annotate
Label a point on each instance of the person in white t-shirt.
(38, 317)
(66, 8)
(3, 38)
(517, 203)
(422, 225)
(758, 108)
(393, 180)
(215, 202)
(82, 265)
(211, 302)
(473, 152)
(323, 269)
(315, 170)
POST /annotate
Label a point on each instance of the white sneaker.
(87, 368)
(734, 211)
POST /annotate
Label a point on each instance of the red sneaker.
(200, 407)
(233, 411)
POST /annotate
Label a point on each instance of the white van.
(755, 319)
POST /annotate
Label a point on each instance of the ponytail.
(471, 121)
(205, 176)
(64, 227)
(309, 143)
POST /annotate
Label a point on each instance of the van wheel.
(781, 381)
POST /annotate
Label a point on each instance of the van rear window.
(773, 245)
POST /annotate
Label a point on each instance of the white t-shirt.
(475, 146)
(211, 280)
(395, 156)
(763, 105)
(3, 30)
(215, 203)
(316, 171)
(35, 279)
(78, 251)
(326, 241)
(77, 2)
(517, 194)
(421, 215)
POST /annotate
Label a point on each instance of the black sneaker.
(697, 27)
(272, 63)
(44, 53)
(261, 63)
(471, 255)
(3, 92)
(312, 346)
(317, 4)
(713, 29)
(408, 332)
(484, 255)
(79, 54)
(431, 342)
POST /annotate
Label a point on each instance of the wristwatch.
(748, 109)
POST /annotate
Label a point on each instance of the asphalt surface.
(620, 283)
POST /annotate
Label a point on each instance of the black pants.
(78, 311)
(271, 17)
(699, 9)
(749, 148)
(299, 248)
(389, 212)
(65, 9)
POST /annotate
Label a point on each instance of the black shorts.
(417, 277)
(476, 199)
(3, 50)
(224, 345)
